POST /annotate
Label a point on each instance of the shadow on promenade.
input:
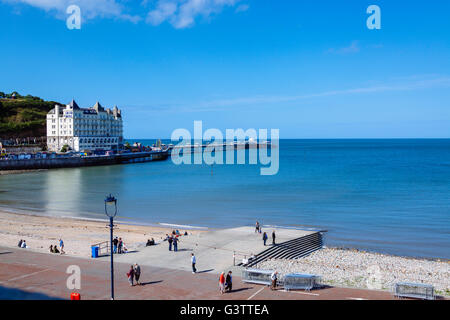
(18, 294)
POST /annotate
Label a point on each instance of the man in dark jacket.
(229, 282)
(170, 243)
(115, 243)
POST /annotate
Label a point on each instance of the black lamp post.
(111, 211)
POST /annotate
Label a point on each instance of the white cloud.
(182, 13)
(410, 83)
(242, 8)
(352, 48)
(89, 8)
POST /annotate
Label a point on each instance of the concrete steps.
(291, 249)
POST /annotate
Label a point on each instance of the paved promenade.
(25, 274)
(213, 249)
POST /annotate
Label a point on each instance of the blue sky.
(309, 68)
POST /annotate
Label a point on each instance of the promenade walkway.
(25, 274)
(213, 249)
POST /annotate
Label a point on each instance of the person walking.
(274, 277)
(257, 227)
(130, 275)
(115, 243)
(264, 238)
(61, 246)
(229, 282)
(170, 240)
(193, 261)
(175, 244)
(137, 273)
(222, 283)
(273, 237)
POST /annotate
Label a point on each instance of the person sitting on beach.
(173, 232)
(185, 233)
(150, 242)
(55, 249)
(24, 244)
(20, 243)
(51, 248)
(177, 232)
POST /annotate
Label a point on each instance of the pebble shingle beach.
(353, 268)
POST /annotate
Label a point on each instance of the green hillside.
(24, 116)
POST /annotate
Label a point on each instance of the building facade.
(84, 128)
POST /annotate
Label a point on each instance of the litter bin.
(94, 252)
(75, 296)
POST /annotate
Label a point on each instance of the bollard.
(75, 296)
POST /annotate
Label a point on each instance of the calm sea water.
(390, 196)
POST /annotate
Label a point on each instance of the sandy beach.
(40, 232)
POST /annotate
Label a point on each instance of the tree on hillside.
(65, 148)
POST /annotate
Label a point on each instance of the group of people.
(134, 274)
(173, 239)
(258, 227)
(22, 244)
(265, 237)
(118, 246)
(54, 248)
(225, 282)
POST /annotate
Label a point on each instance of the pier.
(236, 145)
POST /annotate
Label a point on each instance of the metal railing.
(241, 258)
(295, 281)
(414, 290)
(257, 276)
(103, 248)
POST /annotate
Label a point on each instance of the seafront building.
(81, 129)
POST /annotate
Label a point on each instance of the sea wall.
(70, 162)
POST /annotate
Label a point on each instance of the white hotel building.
(84, 128)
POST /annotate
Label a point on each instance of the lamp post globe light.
(111, 211)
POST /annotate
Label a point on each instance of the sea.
(388, 196)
